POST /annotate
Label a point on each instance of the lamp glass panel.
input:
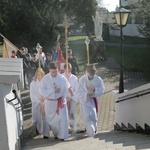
(124, 17)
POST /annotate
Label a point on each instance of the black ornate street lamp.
(121, 16)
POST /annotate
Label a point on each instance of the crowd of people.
(31, 62)
(54, 95)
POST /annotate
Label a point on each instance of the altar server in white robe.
(72, 98)
(90, 88)
(54, 87)
(38, 117)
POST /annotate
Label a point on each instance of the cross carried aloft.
(66, 24)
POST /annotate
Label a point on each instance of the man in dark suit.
(34, 64)
(73, 62)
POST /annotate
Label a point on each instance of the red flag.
(60, 60)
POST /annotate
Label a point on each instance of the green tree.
(142, 9)
(27, 22)
(82, 12)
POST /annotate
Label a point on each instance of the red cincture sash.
(96, 104)
(59, 104)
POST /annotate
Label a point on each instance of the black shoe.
(37, 132)
(45, 137)
(81, 131)
(56, 138)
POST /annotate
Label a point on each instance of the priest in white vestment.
(90, 88)
(54, 87)
(72, 98)
(38, 118)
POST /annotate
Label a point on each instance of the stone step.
(25, 93)
(106, 140)
(26, 99)
(130, 128)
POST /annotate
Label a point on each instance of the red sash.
(96, 104)
(59, 104)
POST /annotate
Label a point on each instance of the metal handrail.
(16, 97)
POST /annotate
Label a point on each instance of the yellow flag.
(5, 53)
(8, 47)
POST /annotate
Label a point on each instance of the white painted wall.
(10, 117)
(129, 30)
(3, 124)
(134, 110)
(12, 128)
(11, 124)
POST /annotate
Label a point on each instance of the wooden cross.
(66, 24)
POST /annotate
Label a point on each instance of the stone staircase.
(104, 140)
(29, 130)
(107, 138)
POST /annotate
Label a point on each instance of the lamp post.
(87, 42)
(121, 18)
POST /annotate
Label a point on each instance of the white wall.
(3, 124)
(11, 123)
(129, 30)
(134, 110)
(132, 30)
(11, 120)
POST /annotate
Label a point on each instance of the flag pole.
(66, 41)
(1, 35)
(38, 47)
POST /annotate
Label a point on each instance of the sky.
(110, 4)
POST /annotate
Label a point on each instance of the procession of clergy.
(54, 97)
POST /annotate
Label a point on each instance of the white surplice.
(73, 80)
(37, 117)
(57, 122)
(87, 105)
